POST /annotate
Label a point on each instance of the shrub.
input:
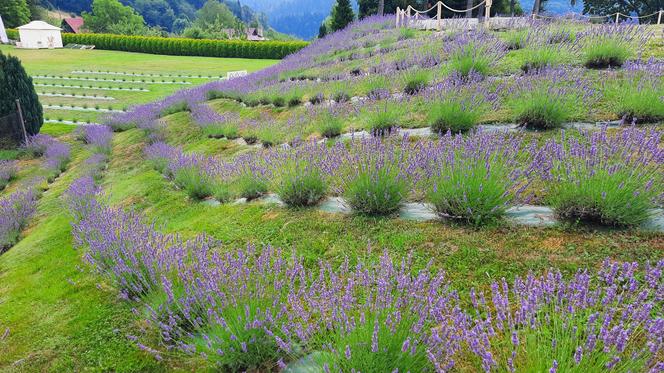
(611, 45)
(516, 39)
(548, 99)
(474, 51)
(383, 121)
(221, 191)
(406, 33)
(316, 99)
(417, 81)
(605, 53)
(330, 125)
(188, 47)
(278, 101)
(636, 97)
(612, 180)
(301, 185)
(341, 97)
(376, 190)
(197, 185)
(455, 114)
(612, 199)
(8, 172)
(251, 186)
(294, 101)
(472, 190)
(542, 57)
(175, 108)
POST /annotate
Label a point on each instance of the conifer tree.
(342, 15)
(17, 84)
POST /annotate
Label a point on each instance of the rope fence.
(403, 16)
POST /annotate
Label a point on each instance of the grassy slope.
(470, 256)
(64, 61)
(58, 319)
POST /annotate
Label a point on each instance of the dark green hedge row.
(183, 47)
(187, 47)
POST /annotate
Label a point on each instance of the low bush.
(330, 125)
(317, 99)
(605, 53)
(251, 186)
(341, 96)
(474, 52)
(454, 114)
(278, 101)
(637, 97)
(376, 190)
(542, 57)
(294, 101)
(416, 82)
(197, 185)
(516, 39)
(616, 199)
(175, 108)
(475, 191)
(548, 99)
(603, 178)
(301, 185)
(382, 121)
(406, 33)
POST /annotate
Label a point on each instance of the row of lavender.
(253, 309)
(17, 208)
(600, 177)
(470, 53)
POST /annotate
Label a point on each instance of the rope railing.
(405, 15)
(617, 16)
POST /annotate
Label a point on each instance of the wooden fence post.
(487, 14)
(440, 16)
(398, 14)
(659, 17)
(20, 117)
(617, 17)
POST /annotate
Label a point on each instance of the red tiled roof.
(75, 23)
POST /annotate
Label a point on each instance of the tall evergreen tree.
(342, 15)
(17, 84)
(322, 30)
(14, 12)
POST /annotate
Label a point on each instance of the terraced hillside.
(384, 200)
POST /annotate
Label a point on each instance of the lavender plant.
(474, 52)
(604, 179)
(611, 45)
(15, 212)
(302, 184)
(638, 95)
(548, 98)
(8, 172)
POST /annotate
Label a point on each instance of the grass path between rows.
(58, 319)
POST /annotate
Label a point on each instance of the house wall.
(35, 39)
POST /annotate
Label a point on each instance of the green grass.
(61, 62)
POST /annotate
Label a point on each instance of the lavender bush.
(474, 52)
(598, 178)
(252, 309)
(15, 211)
(98, 136)
(8, 171)
(546, 99)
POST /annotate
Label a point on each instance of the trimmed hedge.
(187, 47)
(183, 47)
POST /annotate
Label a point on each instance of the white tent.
(3, 33)
(39, 34)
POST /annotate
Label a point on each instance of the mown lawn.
(62, 62)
